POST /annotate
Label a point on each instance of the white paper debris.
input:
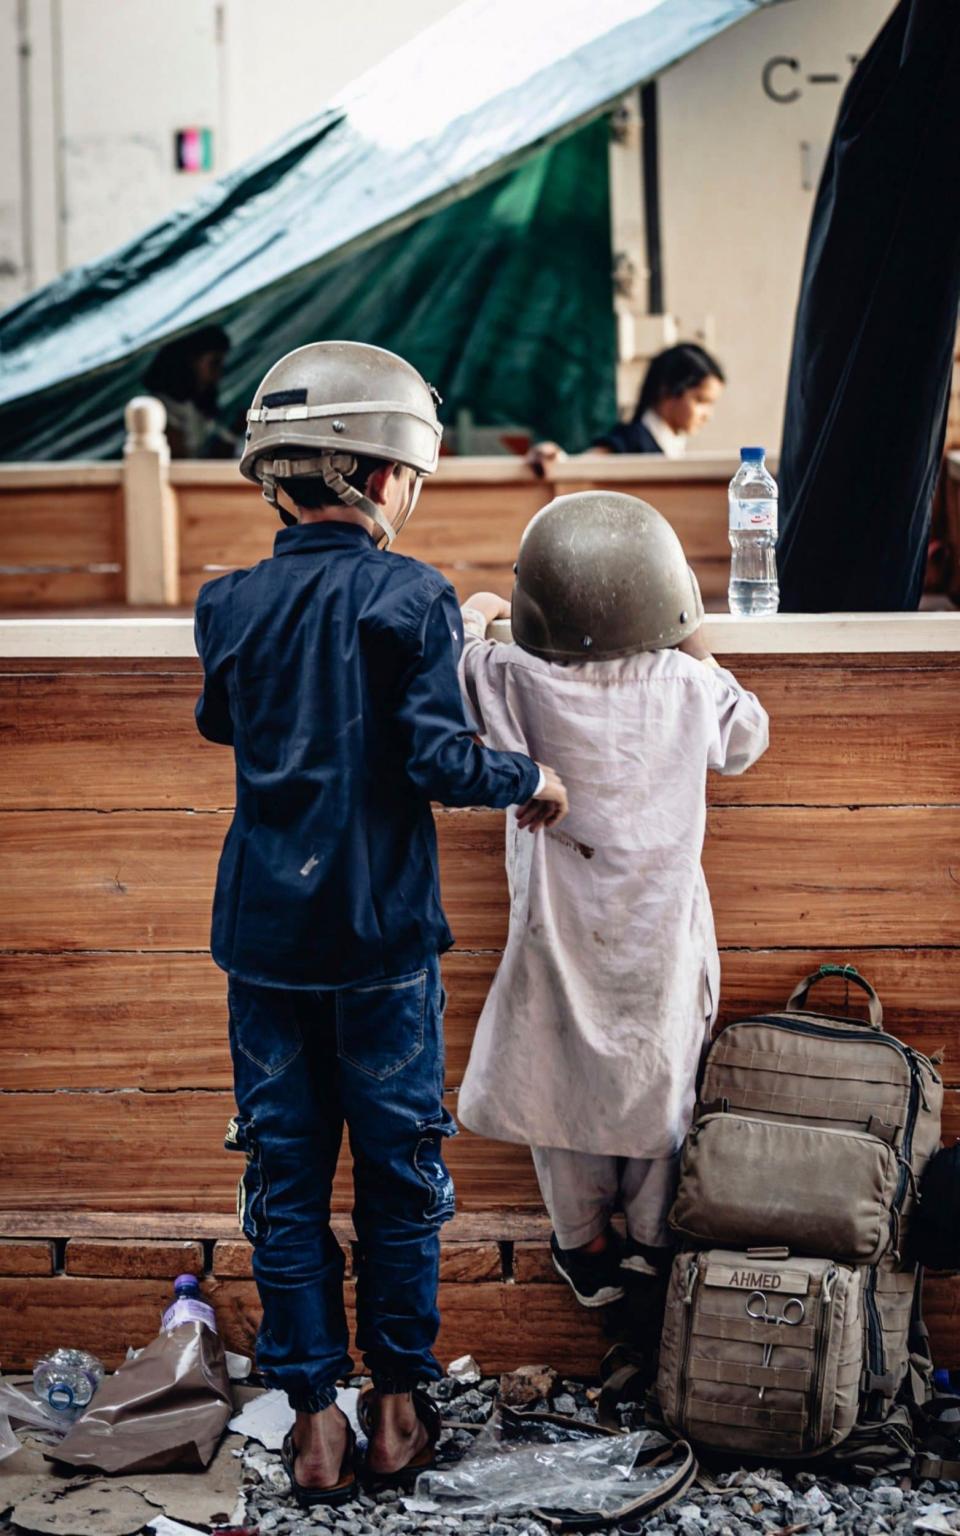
(166, 1527)
(268, 1417)
(238, 1366)
(465, 1370)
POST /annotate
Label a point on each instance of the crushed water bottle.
(752, 497)
(188, 1306)
(65, 1382)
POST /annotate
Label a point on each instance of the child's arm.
(743, 729)
(213, 706)
(742, 724)
(480, 611)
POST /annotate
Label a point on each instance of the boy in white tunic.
(589, 1043)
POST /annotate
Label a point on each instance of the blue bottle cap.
(752, 455)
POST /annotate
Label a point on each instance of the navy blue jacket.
(629, 437)
(331, 669)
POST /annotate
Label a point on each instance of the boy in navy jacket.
(331, 669)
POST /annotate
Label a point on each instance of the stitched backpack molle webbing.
(812, 1132)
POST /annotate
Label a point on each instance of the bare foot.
(398, 1432)
(321, 1441)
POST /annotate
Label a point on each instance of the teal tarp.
(452, 205)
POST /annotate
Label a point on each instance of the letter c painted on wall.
(780, 61)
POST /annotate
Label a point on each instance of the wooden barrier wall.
(470, 515)
(148, 533)
(841, 844)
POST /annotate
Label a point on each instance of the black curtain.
(876, 323)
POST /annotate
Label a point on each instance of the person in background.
(185, 376)
(681, 387)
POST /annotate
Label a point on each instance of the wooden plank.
(133, 1259)
(232, 1259)
(112, 1152)
(466, 1263)
(505, 1326)
(533, 1265)
(62, 527)
(470, 1263)
(222, 527)
(145, 1151)
(26, 1256)
(466, 1227)
(17, 478)
(877, 876)
(105, 1022)
(104, 1019)
(132, 743)
(77, 587)
(129, 738)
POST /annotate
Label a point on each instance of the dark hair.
(675, 370)
(310, 492)
(171, 370)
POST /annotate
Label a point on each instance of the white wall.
(737, 190)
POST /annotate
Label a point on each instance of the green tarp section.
(502, 298)
(452, 205)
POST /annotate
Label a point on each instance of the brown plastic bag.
(165, 1409)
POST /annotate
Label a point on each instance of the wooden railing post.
(152, 570)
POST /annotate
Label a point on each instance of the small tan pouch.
(819, 1190)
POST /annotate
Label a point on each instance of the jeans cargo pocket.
(252, 1186)
(266, 1030)
(380, 1026)
(431, 1168)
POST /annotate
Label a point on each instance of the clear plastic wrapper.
(536, 1463)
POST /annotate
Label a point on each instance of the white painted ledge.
(796, 634)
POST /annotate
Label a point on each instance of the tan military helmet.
(324, 404)
(601, 575)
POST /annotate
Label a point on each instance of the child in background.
(589, 1043)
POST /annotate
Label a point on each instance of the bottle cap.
(184, 1282)
(752, 455)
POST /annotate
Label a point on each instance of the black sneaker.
(594, 1278)
(642, 1259)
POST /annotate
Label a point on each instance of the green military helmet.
(324, 405)
(601, 575)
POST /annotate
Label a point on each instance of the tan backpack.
(788, 1322)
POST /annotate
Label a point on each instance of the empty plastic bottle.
(753, 537)
(65, 1382)
(188, 1306)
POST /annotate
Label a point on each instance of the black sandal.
(429, 1416)
(340, 1492)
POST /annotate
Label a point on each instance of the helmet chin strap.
(332, 468)
(333, 478)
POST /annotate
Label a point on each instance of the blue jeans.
(304, 1063)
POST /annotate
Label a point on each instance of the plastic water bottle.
(188, 1306)
(65, 1382)
(753, 537)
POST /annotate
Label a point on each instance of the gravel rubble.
(774, 1501)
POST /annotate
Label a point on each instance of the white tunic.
(591, 1036)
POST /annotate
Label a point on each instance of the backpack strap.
(798, 997)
